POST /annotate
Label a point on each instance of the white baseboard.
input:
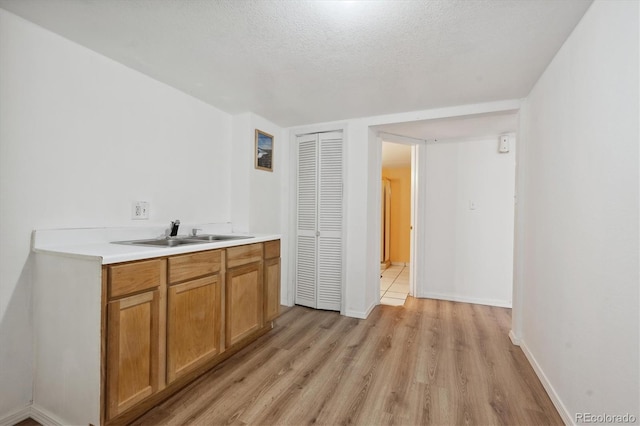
(477, 301)
(400, 263)
(567, 418)
(16, 417)
(514, 339)
(44, 417)
(36, 413)
(360, 314)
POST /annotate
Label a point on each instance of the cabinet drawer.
(194, 265)
(242, 255)
(134, 277)
(272, 249)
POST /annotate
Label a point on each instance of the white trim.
(464, 299)
(44, 417)
(399, 139)
(557, 402)
(362, 315)
(514, 339)
(418, 212)
(419, 191)
(519, 226)
(16, 417)
(38, 414)
(345, 211)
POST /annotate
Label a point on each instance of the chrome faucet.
(174, 228)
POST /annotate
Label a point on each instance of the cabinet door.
(244, 297)
(133, 350)
(271, 289)
(193, 324)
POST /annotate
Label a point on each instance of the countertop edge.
(106, 255)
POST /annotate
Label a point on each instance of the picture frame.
(264, 151)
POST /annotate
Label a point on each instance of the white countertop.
(95, 243)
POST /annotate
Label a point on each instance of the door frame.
(416, 239)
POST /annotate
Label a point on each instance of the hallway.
(394, 285)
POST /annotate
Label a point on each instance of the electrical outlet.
(140, 210)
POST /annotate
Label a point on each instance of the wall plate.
(140, 210)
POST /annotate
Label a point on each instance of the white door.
(320, 211)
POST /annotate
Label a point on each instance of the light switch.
(472, 205)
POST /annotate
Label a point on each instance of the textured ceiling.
(299, 62)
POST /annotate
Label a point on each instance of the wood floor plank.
(429, 362)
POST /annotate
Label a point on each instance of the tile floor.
(394, 285)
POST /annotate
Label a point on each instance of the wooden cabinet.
(193, 313)
(271, 280)
(169, 319)
(135, 354)
(244, 292)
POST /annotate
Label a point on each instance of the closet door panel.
(319, 217)
(330, 185)
(306, 272)
(329, 273)
(330, 214)
(306, 268)
(307, 186)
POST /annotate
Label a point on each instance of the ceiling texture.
(302, 62)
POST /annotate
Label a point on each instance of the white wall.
(355, 201)
(469, 253)
(363, 160)
(579, 283)
(265, 207)
(81, 137)
(256, 194)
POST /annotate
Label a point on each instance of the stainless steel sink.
(209, 237)
(165, 242)
(174, 242)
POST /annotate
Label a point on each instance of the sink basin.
(174, 242)
(211, 238)
(170, 242)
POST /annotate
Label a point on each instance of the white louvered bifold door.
(307, 253)
(320, 212)
(330, 221)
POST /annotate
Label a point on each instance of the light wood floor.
(429, 362)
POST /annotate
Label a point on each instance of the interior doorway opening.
(463, 190)
(396, 221)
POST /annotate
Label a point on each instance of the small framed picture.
(264, 151)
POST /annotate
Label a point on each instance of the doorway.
(465, 205)
(395, 222)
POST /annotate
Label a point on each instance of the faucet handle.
(174, 228)
(194, 231)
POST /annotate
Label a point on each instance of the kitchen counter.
(95, 243)
(71, 300)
